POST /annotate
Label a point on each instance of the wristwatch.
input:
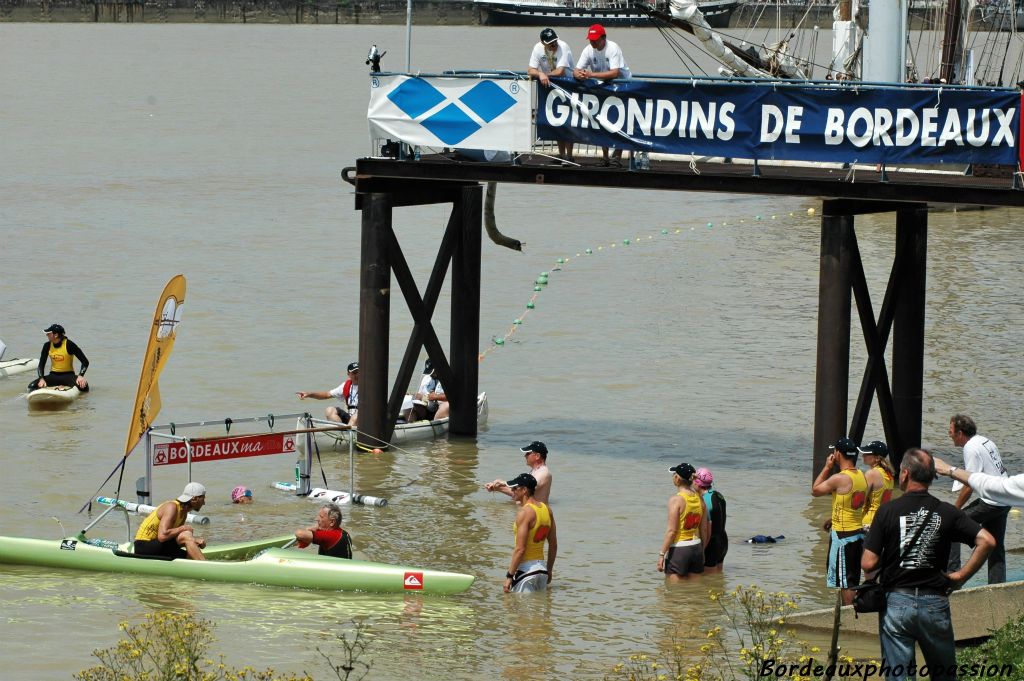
(951, 470)
(509, 575)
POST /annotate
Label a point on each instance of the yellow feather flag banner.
(161, 340)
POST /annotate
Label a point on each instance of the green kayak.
(254, 562)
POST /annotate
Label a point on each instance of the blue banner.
(849, 123)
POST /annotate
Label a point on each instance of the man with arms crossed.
(916, 588)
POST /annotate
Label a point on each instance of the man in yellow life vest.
(164, 532)
(849, 490)
(61, 351)
(534, 525)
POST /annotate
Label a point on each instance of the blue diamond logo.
(451, 125)
(415, 97)
(487, 100)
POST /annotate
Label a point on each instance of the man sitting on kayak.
(164, 532)
(327, 533)
(60, 349)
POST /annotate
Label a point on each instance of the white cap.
(192, 489)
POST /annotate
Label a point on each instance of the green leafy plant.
(169, 646)
(1001, 656)
(751, 636)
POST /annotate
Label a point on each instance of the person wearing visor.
(881, 478)
(849, 490)
(682, 549)
(536, 454)
(164, 532)
(534, 525)
(347, 392)
(61, 351)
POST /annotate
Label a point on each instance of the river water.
(129, 154)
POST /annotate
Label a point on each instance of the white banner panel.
(467, 113)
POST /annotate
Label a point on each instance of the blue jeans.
(924, 620)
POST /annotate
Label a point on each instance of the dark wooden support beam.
(465, 318)
(422, 310)
(876, 336)
(908, 333)
(406, 193)
(833, 362)
(374, 319)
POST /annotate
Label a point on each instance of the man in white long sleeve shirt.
(1008, 491)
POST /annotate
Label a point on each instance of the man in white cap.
(164, 532)
(347, 392)
(552, 56)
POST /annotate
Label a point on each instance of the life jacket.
(848, 509)
(689, 517)
(60, 358)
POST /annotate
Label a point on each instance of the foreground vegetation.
(168, 646)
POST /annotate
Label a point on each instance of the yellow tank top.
(689, 517)
(150, 527)
(848, 509)
(60, 358)
(538, 532)
(878, 496)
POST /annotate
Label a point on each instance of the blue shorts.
(844, 555)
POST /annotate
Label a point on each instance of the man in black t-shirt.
(916, 588)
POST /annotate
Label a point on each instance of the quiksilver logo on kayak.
(413, 580)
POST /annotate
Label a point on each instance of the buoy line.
(541, 281)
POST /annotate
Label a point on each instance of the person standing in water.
(718, 541)
(682, 549)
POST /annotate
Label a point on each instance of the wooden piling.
(374, 318)
(833, 374)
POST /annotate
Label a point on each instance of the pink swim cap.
(239, 492)
(703, 478)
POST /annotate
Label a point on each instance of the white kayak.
(13, 367)
(404, 432)
(53, 398)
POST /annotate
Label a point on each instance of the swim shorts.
(844, 560)
(685, 560)
(531, 576)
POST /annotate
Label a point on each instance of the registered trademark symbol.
(514, 88)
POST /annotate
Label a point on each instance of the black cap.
(535, 446)
(428, 366)
(876, 447)
(684, 471)
(523, 480)
(354, 366)
(54, 328)
(548, 36)
(846, 446)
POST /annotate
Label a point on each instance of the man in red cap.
(602, 59)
